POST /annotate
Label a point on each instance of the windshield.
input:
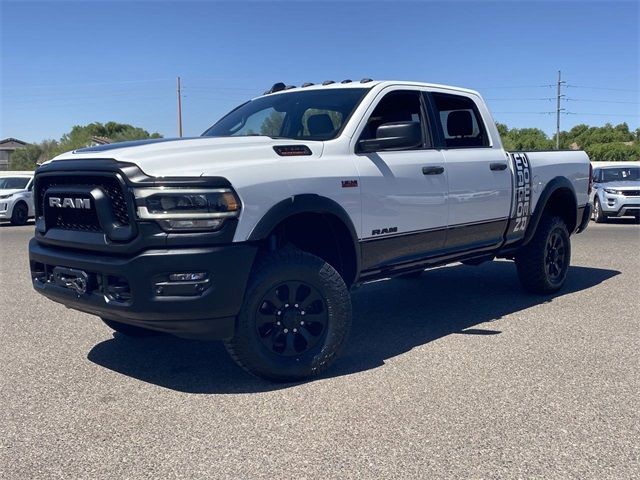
(300, 115)
(622, 174)
(13, 183)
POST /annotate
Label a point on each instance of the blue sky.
(67, 63)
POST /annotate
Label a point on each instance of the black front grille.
(79, 219)
(631, 193)
(72, 218)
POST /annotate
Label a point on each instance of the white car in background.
(16, 197)
(616, 192)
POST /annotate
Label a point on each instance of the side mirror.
(393, 136)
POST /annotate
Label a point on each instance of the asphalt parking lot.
(458, 374)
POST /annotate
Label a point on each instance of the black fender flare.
(305, 203)
(553, 186)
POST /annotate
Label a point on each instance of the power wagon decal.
(521, 207)
(522, 191)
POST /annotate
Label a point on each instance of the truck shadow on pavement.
(390, 318)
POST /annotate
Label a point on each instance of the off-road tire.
(533, 261)
(20, 214)
(598, 215)
(130, 330)
(274, 272)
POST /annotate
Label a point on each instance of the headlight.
(3, 197)
(187, 209)
(613, 191)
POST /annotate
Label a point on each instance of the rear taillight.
(590, 178)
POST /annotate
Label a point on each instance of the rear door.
(479, 177)
(404, 210)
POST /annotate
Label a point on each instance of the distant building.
(95, 140)
(7, 147)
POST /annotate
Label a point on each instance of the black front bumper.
(136, 290)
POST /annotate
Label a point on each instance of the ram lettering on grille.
(82, 203)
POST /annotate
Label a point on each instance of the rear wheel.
(544, 262)
(295, 317)
(598, 214)
(129, 330)
(20, 214)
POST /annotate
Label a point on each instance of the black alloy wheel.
(555, 257)
(291, 319)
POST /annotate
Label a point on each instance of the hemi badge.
(349, 183)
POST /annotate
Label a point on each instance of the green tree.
(527, 139)
(613, 152)
(80, 136)
(25, 158)
(503, 130)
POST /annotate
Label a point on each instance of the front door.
(404, 192)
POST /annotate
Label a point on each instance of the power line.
(516, 99)
(88, 84)
(599, 101)
(605, 88)
(605, 114)
(514, 86)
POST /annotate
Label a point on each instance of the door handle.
(432, 170)
(498, 166)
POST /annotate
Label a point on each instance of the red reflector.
(292, 150)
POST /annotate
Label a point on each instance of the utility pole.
(558, 109)
(179, 109)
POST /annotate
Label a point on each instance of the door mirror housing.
(393, 136)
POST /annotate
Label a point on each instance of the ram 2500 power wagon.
(255, 232)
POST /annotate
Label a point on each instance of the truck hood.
(197, 156)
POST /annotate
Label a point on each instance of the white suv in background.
(16, 197)
(616, 192)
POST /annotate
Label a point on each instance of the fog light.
(187, 277)
(192, 224)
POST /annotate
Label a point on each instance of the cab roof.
(365, 83)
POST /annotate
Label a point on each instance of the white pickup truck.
(255, 232)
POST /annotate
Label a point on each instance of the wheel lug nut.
(295, 330)
(277, 323)
(302, 312)
(286, 330)
(302, 322)
(286, 305)
(279, 312)
(296, 305)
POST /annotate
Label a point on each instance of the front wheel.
(598, 214)
(295, 317)
(20, 214)
(544, 262)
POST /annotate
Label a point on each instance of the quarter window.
(460, 121)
